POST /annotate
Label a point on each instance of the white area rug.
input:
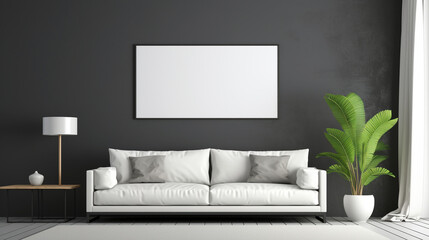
(205, 232)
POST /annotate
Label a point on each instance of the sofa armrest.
(323, 190)
(89, 190)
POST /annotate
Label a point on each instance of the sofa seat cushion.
(154, 194)
(252, 194)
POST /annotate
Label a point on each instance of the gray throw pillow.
(268, 169)
(147, 169)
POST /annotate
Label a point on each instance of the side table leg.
(74, 195)
(41, 203)
(65, 205)
(32, 205)
(7, 205)
(38, 203)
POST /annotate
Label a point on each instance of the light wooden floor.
(402, 230)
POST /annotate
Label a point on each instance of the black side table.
(39, 190)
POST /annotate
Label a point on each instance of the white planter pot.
(358, 207)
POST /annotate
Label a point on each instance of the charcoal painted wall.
(75, 58)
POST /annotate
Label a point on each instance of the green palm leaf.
(344, 112)
(359, 108)
(372, 173)
(377, 159)
(374, 129)
(341, 160)
(381, 146)
(340, 170)
(341, 142)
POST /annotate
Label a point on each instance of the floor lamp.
(58, 126)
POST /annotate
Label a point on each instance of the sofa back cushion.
(230, 166)
(190, 166)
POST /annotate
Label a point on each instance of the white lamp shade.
(59, 126)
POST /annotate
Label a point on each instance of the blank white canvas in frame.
(206, 81)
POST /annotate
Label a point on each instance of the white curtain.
(413, 113)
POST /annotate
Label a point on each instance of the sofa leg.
(322, 218)
(90, 218)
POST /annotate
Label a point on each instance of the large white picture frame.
(206, 81)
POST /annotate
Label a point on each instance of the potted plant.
(356, 146)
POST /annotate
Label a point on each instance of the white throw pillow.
(190, 166)
(105, 178)
(308, 178)
(234, 166)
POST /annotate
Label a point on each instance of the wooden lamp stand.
(59, 159)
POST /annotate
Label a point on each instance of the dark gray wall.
(75, 58)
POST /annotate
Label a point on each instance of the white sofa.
(189, 190)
